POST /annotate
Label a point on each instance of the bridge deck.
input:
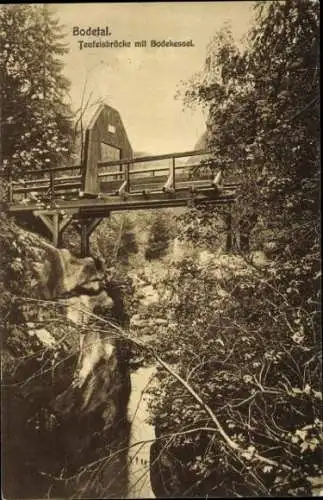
(50, 202)
(121, 185)
(49, 199)
(104, 204)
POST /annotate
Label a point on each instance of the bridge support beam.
(86, 228)
(56, 223)
(229, 238)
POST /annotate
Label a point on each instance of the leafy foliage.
(262, 104)
(256, 363)
(246, 337)
(35, 117)
(159, 237)
(127, 242)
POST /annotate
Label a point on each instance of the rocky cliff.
(65, 377)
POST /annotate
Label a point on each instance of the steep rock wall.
(66, 384)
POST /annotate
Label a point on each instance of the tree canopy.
(35, 115)
(247, 337)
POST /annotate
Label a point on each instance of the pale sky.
(141, 82)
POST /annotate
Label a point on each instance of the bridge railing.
(47, 182)
(126, 175)
(131, 175)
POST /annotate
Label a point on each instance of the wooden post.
(127, 177)
(85, 240)
(246, 225)
(55, 224)
(87, 228)
(56, 232)
(51, 186)
(173, 171)
(228, 245)
(169, 186)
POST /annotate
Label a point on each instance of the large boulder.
(39, 270)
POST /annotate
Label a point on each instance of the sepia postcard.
(160, 265)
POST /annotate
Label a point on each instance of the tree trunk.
(246, 225)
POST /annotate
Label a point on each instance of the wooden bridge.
(85, 194)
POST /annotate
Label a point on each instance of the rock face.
(66, 381)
